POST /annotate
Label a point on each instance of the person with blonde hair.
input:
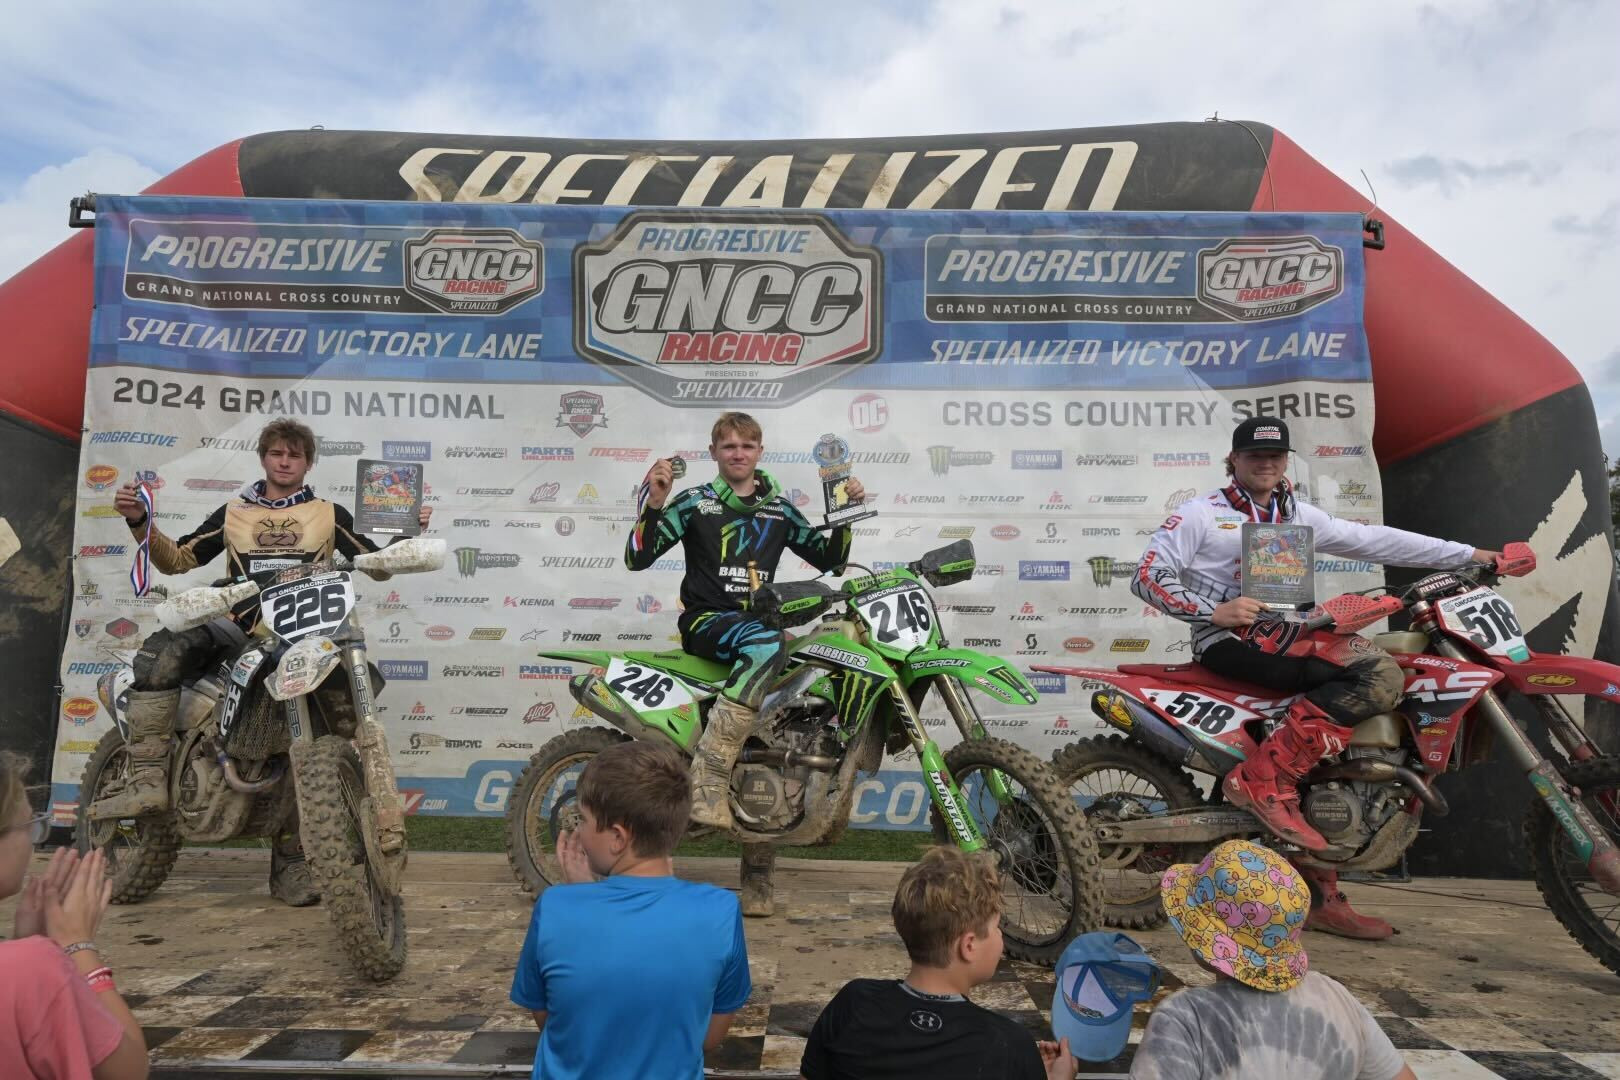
(61, 1016)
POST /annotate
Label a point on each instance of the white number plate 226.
(312, 605)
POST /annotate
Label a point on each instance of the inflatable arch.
(1484, 431)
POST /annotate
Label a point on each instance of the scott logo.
(666, 300)
(473, 271)
(1267, 279)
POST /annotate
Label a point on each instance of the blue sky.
(1490, 129)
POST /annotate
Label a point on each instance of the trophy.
(1279, 565)
(831, 455)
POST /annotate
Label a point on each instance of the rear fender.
(980, 670)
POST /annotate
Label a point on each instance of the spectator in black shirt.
(948, 912)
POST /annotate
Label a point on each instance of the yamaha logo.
(1248, 279)
(720, 310)
(473, 271)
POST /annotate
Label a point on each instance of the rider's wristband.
(78, 946)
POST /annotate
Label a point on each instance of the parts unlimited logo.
(473, 271)
(718, 310)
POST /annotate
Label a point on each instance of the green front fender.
(979, 670)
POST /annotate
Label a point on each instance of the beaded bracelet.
(78, 946)
(92, 976)
(100, 980)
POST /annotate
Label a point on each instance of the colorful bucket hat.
(1100, 978)
(1242, 910)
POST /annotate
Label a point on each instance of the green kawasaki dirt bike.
(851, 686)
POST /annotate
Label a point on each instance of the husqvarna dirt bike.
(266, 734)
(1464, 653)
(851, 686)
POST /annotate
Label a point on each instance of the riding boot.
(758, 864)
(717, 751)
(151, 735)
(290, 880)
(1267, 784)
(1331, 912)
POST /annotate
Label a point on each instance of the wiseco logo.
(473, 271)
(1268, 278)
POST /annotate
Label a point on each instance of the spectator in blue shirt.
(630, 972)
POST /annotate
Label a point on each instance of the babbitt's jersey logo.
(473, 271)
(675, 304)
(1267, 279)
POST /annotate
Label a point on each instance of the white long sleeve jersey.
(1194, 560)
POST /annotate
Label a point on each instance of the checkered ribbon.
(140, 572)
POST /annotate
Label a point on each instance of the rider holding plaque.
(1223, 559)
(734, 529)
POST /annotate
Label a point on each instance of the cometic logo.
(670, 303)
(473, 271)
(1248, 279)
(403, 669)
(407, 451)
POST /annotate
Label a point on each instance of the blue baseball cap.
(1100, 978)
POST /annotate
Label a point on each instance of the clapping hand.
(52, 882)
(576, 865)
(76, 913)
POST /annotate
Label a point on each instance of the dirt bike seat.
(1199, 675)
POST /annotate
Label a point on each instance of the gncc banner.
(1048, 385)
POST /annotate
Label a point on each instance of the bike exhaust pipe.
(1136, 720)
(1373, 771)
(770, 755)
(233, 780)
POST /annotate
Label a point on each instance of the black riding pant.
(1366, 686)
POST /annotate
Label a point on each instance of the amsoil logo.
(473, 271)
(1339, 451)
(677, 304)
(99, 551)
(1265, 279)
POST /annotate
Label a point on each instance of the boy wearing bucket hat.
(1240, 911)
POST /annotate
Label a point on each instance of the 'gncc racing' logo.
(1248, 279)
(473, 271)
(719, 310)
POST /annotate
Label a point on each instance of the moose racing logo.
(473, 271)
(1248, 279)
(723, 310)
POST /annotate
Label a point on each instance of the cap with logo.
(1260, 433)
(1100, 978)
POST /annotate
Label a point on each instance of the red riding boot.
(1331, 913)
(1267, 784)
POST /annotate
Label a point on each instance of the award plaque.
(1279, 565)
(831, 455)
(388, 497)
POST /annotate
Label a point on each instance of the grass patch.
(488, 834)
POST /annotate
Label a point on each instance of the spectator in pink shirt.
(60, 1015)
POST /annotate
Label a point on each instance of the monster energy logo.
(854, 689)
(1104, 569)
(469, 560)
(941, 458)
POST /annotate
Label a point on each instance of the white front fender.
(303, 667)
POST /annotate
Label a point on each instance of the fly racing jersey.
(725, 534)
(257, 533)
(1194, 560)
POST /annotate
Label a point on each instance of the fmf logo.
(79, 709)
(672, 303)
(473, 271)
(1267, 279)
(100, 477)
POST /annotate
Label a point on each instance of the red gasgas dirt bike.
(1464, 652)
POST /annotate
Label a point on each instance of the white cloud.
(33, 219)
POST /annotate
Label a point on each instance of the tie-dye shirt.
(1316, 1031)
